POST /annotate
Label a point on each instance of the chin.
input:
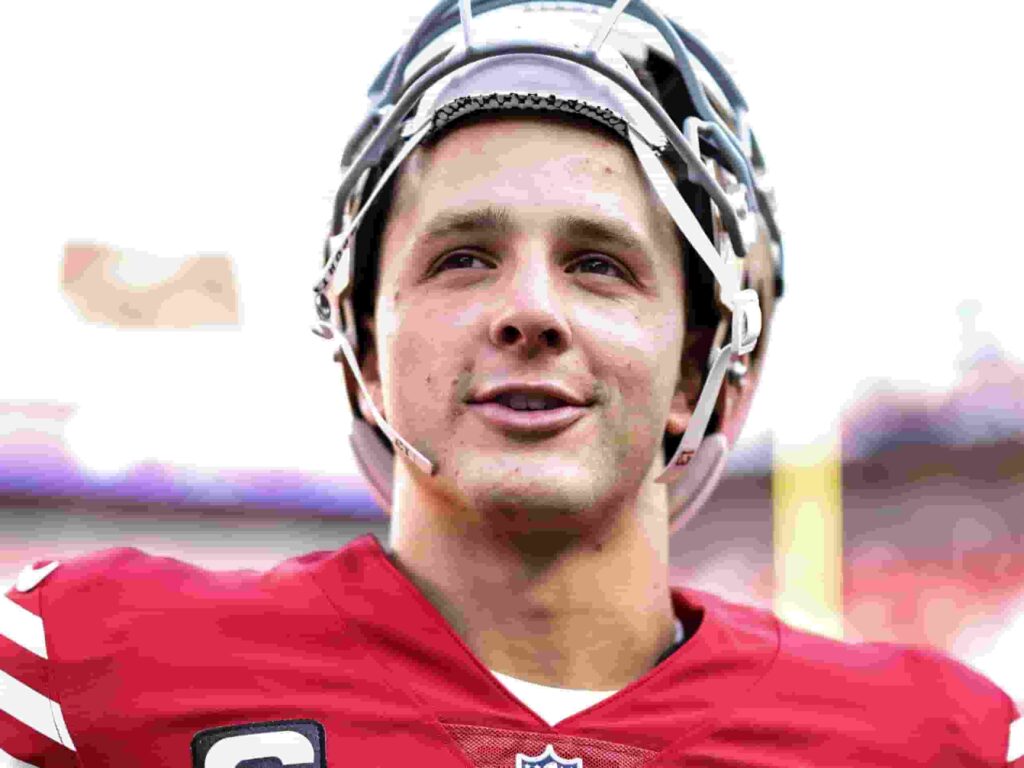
(521, 502)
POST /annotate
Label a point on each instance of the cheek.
(422, 356)
(637, 343)
(639, 357)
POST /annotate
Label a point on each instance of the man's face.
(530, 250)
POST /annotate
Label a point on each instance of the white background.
(891, 129)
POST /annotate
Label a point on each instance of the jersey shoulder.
(926, 674)
(115, 572)
(903, 689)
(74, 631)
(33, 728)
(932, 678)
(916, 702)
(122, 573)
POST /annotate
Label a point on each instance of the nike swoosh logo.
(30, 576)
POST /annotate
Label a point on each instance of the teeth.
(530, 403)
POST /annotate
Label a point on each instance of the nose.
(530, 317)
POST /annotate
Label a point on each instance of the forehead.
(547, 171)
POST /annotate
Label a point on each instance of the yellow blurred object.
(128, 289)
(808, 534)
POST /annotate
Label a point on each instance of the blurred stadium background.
(171, 175)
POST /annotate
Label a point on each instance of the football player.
(549, 282)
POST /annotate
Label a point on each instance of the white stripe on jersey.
(62, 727)
(1016, 746)
(22, 627)
(33, 709)
(10, 761)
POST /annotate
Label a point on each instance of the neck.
(590, 609)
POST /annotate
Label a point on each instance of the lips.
(494, 405)
(504, 391)
(547, 421)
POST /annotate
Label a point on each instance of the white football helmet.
(640, 75)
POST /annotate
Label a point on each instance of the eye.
(601, 261)
(459, 259)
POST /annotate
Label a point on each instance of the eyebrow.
(464, 222)
(617, 233)
(498, 220)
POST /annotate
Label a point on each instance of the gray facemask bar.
(445, 15)
(746, 323)
(387, 133)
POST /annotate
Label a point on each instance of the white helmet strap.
(744, 304)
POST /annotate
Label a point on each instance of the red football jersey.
(336, 659)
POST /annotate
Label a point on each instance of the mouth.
(547, 420)
(529, 407)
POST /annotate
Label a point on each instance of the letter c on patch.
(290, 747)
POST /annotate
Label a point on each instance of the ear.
(370, 370)
(696, 348)
(734, 399)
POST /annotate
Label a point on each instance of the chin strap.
(744, 304)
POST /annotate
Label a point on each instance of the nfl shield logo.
(547, 759)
